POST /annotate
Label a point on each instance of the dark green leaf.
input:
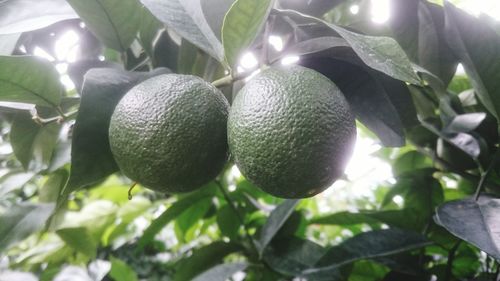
(228, 222)
(463, 32)
(433, 52)
(190, 25)
(292, 256)
(274, 222)
(473, 221)
(315, 45)
(175, 210)
(367, 245)
(410, 161)
(203, 259)
(242, 24)
(91, 157)
(31, 141)
(79, 239)
(30, 80)
(221, 272)
(19, 221)
(114, 22)
(78, 69)
(21, 16)
(120, 271)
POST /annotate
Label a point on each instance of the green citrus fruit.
(291, 131)
(169, 133)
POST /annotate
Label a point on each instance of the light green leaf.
(29, 79)
(114, 22)
(120, 271)
(242, 24)
(19, 221)
(79, 239)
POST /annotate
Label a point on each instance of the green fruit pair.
(290, 131)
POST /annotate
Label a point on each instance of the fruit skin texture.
(291, 131)
(169, 133)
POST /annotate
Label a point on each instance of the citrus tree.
(139, 140)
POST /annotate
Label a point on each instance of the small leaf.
(91, 157)
(120, 271)
(191, 216)
(19, 221)
(367, 245)
(114, 22)
(203, 259)
(473, 221)
(29, 79)
(79, 239)
(221, 272)
(242, 24)
(274, 222)
(14, 180)
(174, 14)
(27, 15)
(463, 32)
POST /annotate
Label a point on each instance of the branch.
(451, 257)
(485, 175)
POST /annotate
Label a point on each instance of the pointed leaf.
(192, 27)
(30, 80)
(367, 245)
(20, 221)
(18, 16)
(120, 271)
(221, 272)
(274, 222)
(463, 32)
(203, 259)
(242, 24)
(114, 22)
(473, 221)
(79, 239)
(91, 157)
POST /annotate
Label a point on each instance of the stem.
(484, 175)
(61, 112)
(237, 213)
(130, 190)
(451, 257)
(224, 81)
(264, 55)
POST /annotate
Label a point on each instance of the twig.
(237, 213)
(449, 263)
(484, 175)
(130, 190)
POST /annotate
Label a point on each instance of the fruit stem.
(224, 81)
(237, 213)
(130, 190)
(485, 174)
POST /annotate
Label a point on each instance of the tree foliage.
(65, 210)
